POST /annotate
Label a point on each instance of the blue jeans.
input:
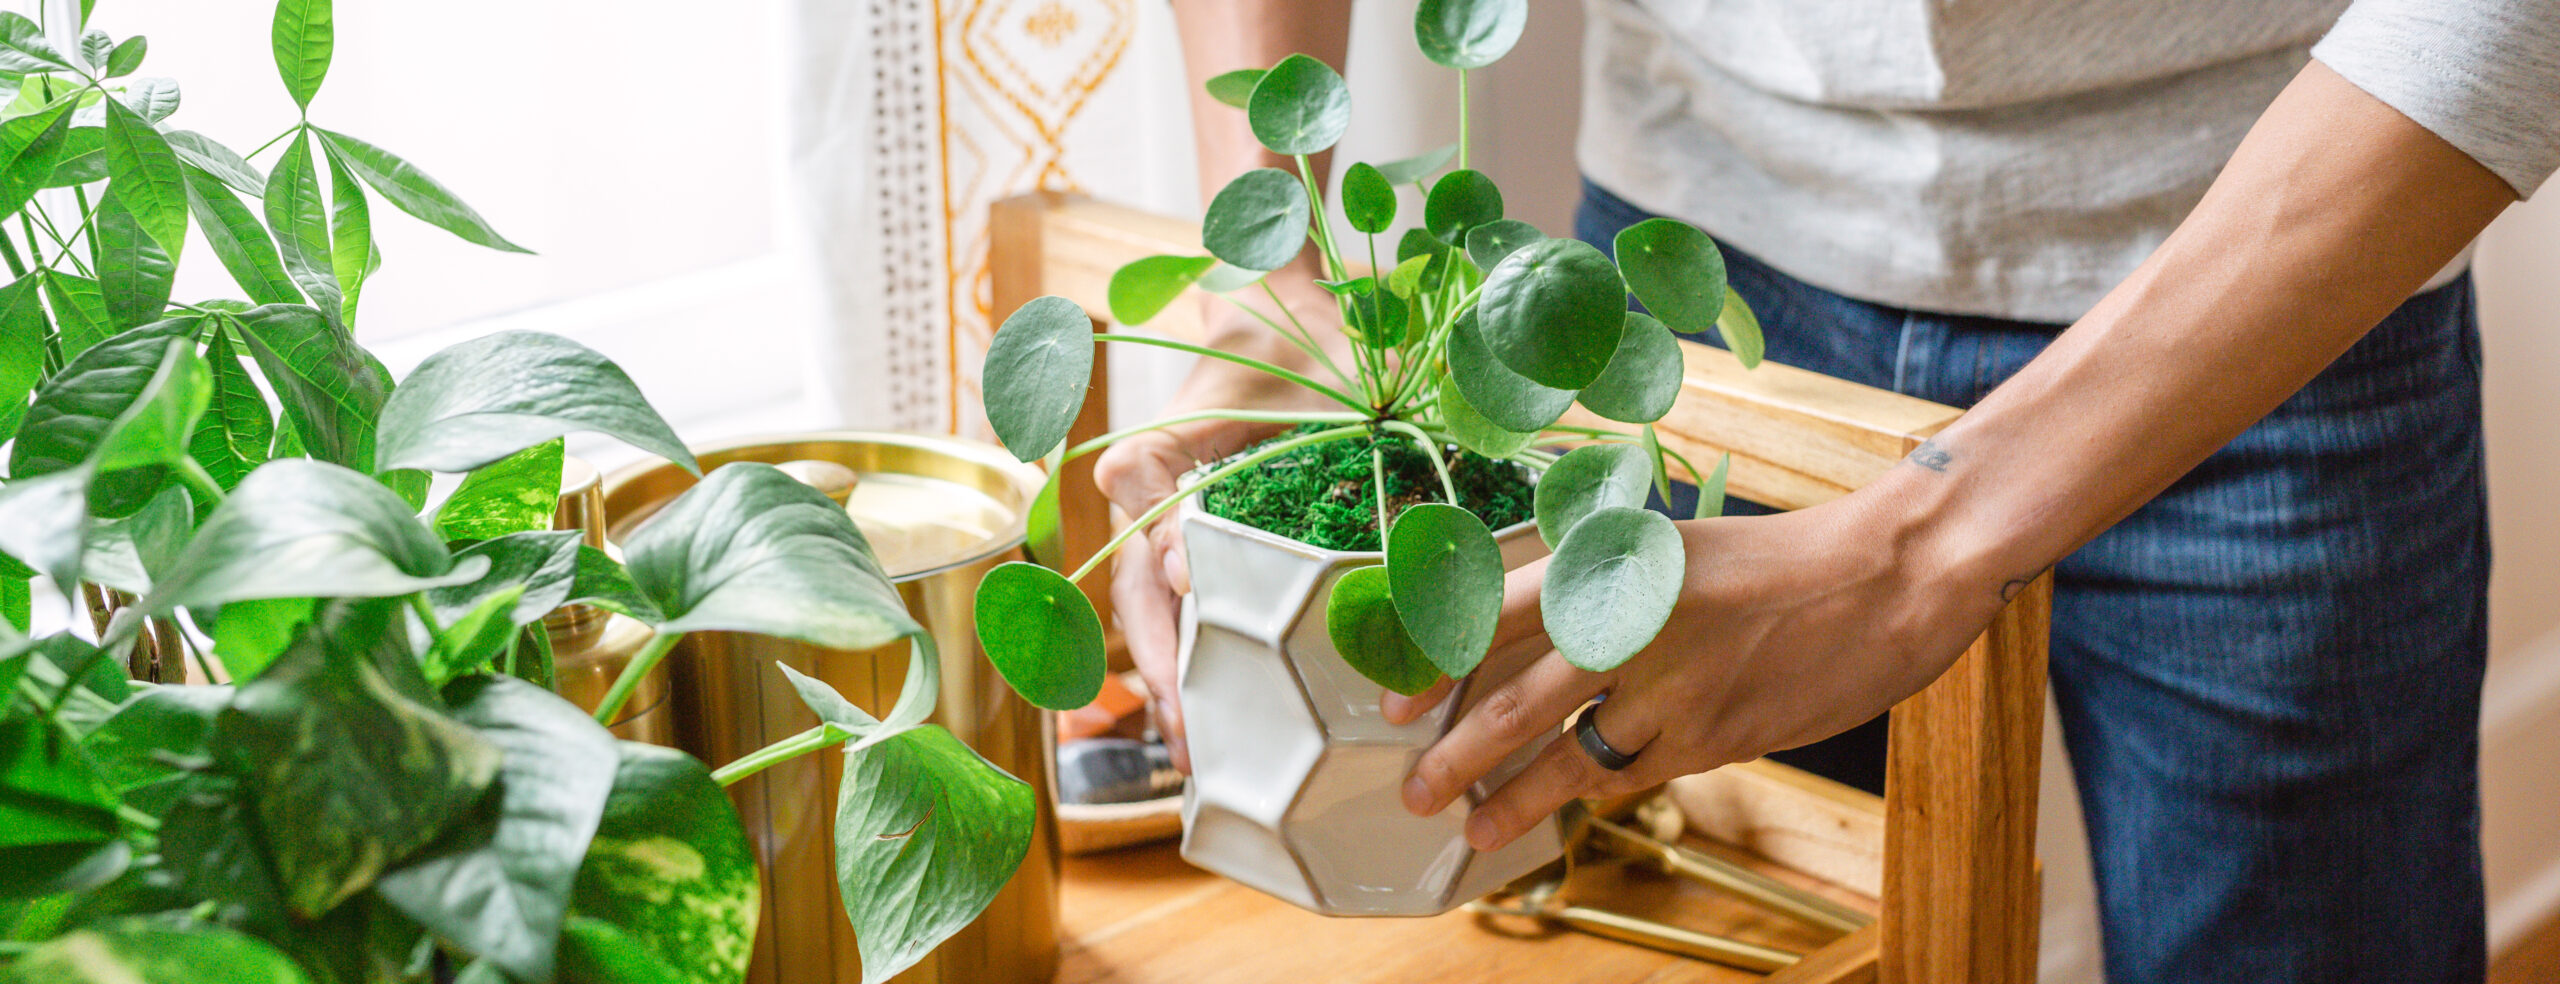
(2269, 676)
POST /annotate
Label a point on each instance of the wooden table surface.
(1143, 916)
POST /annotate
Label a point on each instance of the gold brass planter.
(940, 513)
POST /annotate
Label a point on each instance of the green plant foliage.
(1505, 399)
(1368, 199)
(144, 951)
(1468, 426)
(1446, 574)
(1675, 270)
(1487, 244)
(1711, 494)
(1464, 34)
(349, 536)
(58, 798)
(303, 38)
(1258, 221)
(485, 399)
(330, 390)
(251, 633)
(120, 412)
(1586, 480)
(1300, 106)
(1459, 202)
(22, 334)
(1419, 166)
(514, 494)
(1234, 88)
(926, 833)
(667, 833)
(126, 56)
(238, 240)
(1041, 633)
(1553, 311)
(411, 190)
(1360, 617)
(352, 256)
(135, 274)
(1037, 369)
(1643, 378)
(24, 48)
(143, 172)
(1140, 290)
(540, 565)
(751, 549)
(237, 428)
(1611, 586)
(300, 219)
(1741, 330)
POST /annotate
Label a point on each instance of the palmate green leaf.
(1460, 201)
(31, 147)
(1643, 378)
(540, 565)
(121, 411)
(668, 833)
(1234, 88)
(1506, 399)
(1360, 617)
(1419, 166)
(752, 550)
(504, 895)
(1489, 243)
(1368, 199)
(411, 190)
(237, 428)
(22, 331)
(926, 833)
(135, 272)
(79, 311)
(300, 220)
(1611, 585)
(1258, 221)
(1553, 311)
(1041, 633)
(513, 494)
(1141, 290)
(1586, 480)
(1741, 330)
(84, 157)
(94, 46)
(144, 172)
(205, 154)
(1676, 270)
(352, 253)
(481, 400)
(153, 99)
(331, 390)
(144, 950)
(1445, 575)
(1300, 106)
(23, 47)
(1468, 426)
(239, 240)
(308, 529)
(1035, 376)
(303, 37)
(346, 775)
(1464, 34)
(126, 56)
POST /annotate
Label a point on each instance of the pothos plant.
(371, 779)
(1479, 336)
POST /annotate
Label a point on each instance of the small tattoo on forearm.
(1932, 457)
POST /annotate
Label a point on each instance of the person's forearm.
(2332, 212)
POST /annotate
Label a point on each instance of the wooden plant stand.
(1946, 855)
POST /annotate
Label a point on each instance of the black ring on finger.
(1586, 732)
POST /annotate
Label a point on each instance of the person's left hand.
(1789, 629)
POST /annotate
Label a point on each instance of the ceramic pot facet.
(1296, 776)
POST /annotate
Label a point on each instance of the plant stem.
(779, 752)
(1430, 447)
(197, 480)
(632, 673)
(1378, 467)
(1273, 450)
(1596, 433)
(1303, 339)
(1250, 416)
(271, 141)
(134, 815)
(17, 267)
(1462, 119)
(1335, 395)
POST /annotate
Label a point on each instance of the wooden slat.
(1960, 810)
(1852, 960)
(1822, 828)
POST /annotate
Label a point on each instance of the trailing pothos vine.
(1476, 331)
(370, 778)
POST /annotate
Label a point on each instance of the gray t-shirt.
(2014, 158)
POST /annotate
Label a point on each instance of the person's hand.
(1789, 629)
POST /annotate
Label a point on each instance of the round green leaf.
(1300, 106)
(1553, 311)
(1508, 399)
(1460, 201)
(1487, 244)
(1445, 573)
(1741, 330)
(1042, 634)
(1234, 88)
(1643, 379)
(1258, 221)
(1472, 431)
(1037, 369)
(1675, 270)
(1465, 34)
(1418, 166)
(1586, 480)
(1140, 290)
(1227, 278)
(1368, 199)
(1361, 617)
(1611, 586)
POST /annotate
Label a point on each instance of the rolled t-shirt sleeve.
(2482, 74)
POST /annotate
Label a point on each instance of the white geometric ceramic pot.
(1296, 778)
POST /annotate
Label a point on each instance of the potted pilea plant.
(1365, 549)
(371, 780)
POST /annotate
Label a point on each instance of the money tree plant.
(309, 737)
(1477, 338)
